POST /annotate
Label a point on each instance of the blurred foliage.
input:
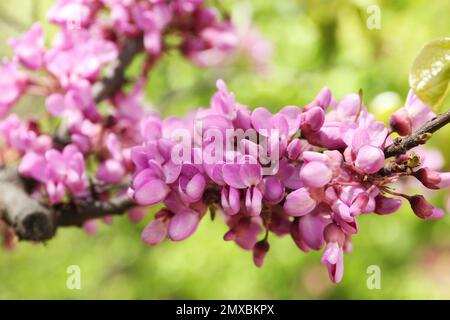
(430, 74)
(316, 43)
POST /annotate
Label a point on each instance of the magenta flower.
(191, 184)
(299, 203)
(433, 179)
(315, 174)
(13, 84)
(66, 170)
(223, 101)
(311, 227)
(401, 122)
(73, 14)
(59, 171)
(312, 120)
(386, 205)
(370, 159)
(156, 231)
(211, 41)
(230, 200)
(29, 48)
(244, 231)
(243, 174)
(78, 54)
(260, 251)
(423, 209)
(323, 100)
(113, 170)
(77, 97)
(23, 137)
(333, 256)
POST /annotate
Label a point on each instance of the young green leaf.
(430, 74)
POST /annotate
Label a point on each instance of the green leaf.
(430, 74)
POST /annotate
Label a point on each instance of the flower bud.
(313, 119)
(423, 209)
(299, 203)
(370, 159)
(384, 205)
(260, 251)
(315, 174)
(230, 235)
(156, 231)
(294, 149)
(400, 122)
(323, 99)
(432, 179)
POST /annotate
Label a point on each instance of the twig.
(116, 78)
(421, 136)
(76, 215)
(35, 222)
(30, 220)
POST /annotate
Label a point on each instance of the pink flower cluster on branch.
(324, 167)
(307, 172)
(96, 37)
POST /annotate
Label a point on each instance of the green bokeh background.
(316, 43)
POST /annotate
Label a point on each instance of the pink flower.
(72, 14)
(299, 203)
(78, 54)
(433, 179)
(315, 174)
(424, 209)
(260, 251)
(400, 122)
(211, 41)
(244, 231)
(113, 170)
(370, 159)
(244, 174)
(23, 137)
(323, 100)
(223, 101)
(13, 84)
(230, 200)
(333, 256)
(386, 205)
(156, 231)
(29, 48)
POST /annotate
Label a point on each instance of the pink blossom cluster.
(329, 172)
(91, 35)
(307, 172)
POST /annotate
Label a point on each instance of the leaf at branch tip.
(430, 74)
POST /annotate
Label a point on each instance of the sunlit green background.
(316, 43)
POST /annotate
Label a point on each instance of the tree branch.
(116, 77)
(77, 214)
(403, 144)
(33, 221)
(29, 219)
